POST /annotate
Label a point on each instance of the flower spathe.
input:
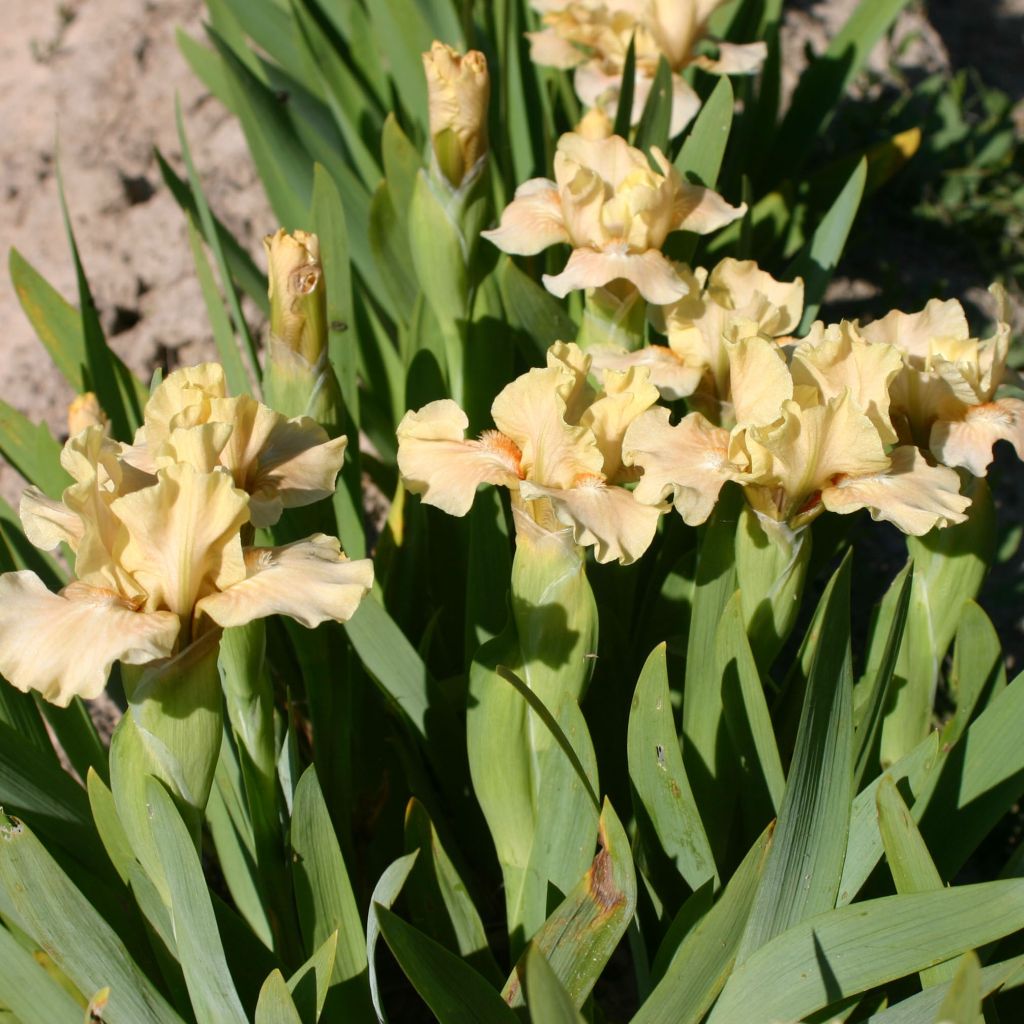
(593, 36)
(557, 446)
(159, 554)
(615, 211)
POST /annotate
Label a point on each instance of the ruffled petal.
(626, 395)
(687, 464)
(311, 581)
(199, 446)
(551, 50)
(438, 463)
(63, 645)
(836, 358)
(531, 411)
(673, 378)
(182, 400)
(744, 288)
(701, 210)
(603, 516)
(532, 221)
(183, 536)
(919, 333)
(652, 273)
(612, 159)
(48, 523)
(735, 59)
(911, 494)
(968, 442)
(685, 104)
(760, 381)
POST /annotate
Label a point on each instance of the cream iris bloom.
(615, 212)
(156, 529)
(593, 37)
(944, 397)
(808, 437)
(736, 300)
(557, 446)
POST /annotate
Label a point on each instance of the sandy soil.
(97, 79)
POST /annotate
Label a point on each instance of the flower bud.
(85, 411)
(459, 90)
(298, 307)
(595, 124)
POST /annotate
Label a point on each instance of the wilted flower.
(806, 438)
(944, 396)
(615, 212)
(736, 300)
(298, 311)
(459, 90)
(156, 529)
(557, 447)
(593, 37)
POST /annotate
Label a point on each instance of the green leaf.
(455, 993)
(702, 963)
(818, 259)
(32, 450)
(402, 34)
(881, 663)
(439, 899)
(281, 160)
(198, 941)
(273, 28)
(581, 934)
(978, 670)
(120, 395)
(220, 323)
(850, 950)
(238, 263)
(536, 315)
(275, 1004)
(746, 710)
(659, 778)
(212, 231)
(980, 779)
(546, 997)
(657, 116)
(823, 84)
(706, 752)
(63, 921)
(28, 991)
(864, 847)
(309, 985)
(385, 892)
(700, 158)
(805, 866)
(962, 1004)
(322, 888)
(909, 860)
(624, 110)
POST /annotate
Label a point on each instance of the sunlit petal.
(626, 395)
(438, 463)
(968, 442)
(651, 272)
(673, 378)
(63, 645)
(760, 381)
(735, 59)
(687, 464)
(551, 50)
(532, 221)
(183, 536)
(911, 494)
(48, 523)
(918, 334)
(701, 210)
(311, 581)
(606, 517)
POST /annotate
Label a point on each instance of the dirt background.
(100, 77)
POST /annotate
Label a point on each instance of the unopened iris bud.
(297, 377)
(459, 89)
(85, 411)
(298, 307)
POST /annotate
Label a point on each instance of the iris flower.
(615, 211)
(557, 447)
(156, 529)
(593, 37)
